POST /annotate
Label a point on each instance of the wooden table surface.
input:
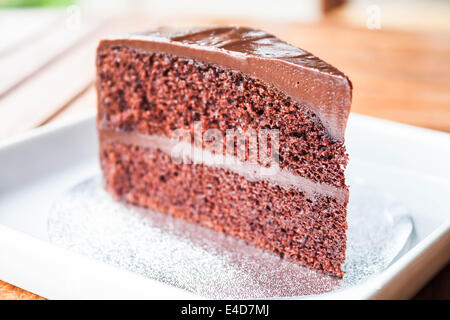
(48, 73)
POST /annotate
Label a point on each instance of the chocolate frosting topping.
(310, 81)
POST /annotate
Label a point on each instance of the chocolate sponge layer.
(158, 93)
(308, 230)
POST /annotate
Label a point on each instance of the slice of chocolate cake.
(230, 128)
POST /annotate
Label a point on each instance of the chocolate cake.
(230, 128)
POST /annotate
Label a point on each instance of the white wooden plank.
(29, 59)
(84, 104)
(43, 95)
(20, 25)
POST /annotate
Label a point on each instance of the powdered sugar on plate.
(87, 220)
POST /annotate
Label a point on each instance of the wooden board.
(398, 76)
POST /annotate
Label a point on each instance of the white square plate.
(410, 164)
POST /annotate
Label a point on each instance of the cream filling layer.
(184, 152)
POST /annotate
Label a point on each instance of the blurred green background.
(34, 3)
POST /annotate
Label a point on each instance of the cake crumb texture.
(307, 230)
(156, 94)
